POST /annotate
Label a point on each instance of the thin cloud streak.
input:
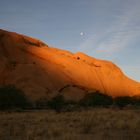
(118, 36)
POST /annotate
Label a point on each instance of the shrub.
(11, 97)
(96, 99)
(136, 100)
(57, 103)
(123, 101)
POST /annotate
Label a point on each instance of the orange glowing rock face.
(42, 71)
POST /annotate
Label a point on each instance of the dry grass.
(90, 124)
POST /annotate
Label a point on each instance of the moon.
(81, 33)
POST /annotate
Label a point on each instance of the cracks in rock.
(76, 86)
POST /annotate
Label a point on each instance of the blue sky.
(106, 29)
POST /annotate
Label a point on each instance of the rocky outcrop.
(43, 71)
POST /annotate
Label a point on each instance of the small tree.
(57, 103)
(123, 101)
(96, 99)
(12, 97)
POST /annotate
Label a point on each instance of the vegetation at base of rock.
(126, 100)
(123, 101)
(12, 97)
(136, 100)
(96, 99)
(57, 103)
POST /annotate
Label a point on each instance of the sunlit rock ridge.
(42, 71)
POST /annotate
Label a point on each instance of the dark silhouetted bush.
(135, 101)
(11, 97)
(123, 101)
(96, 99)
(57, 103)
